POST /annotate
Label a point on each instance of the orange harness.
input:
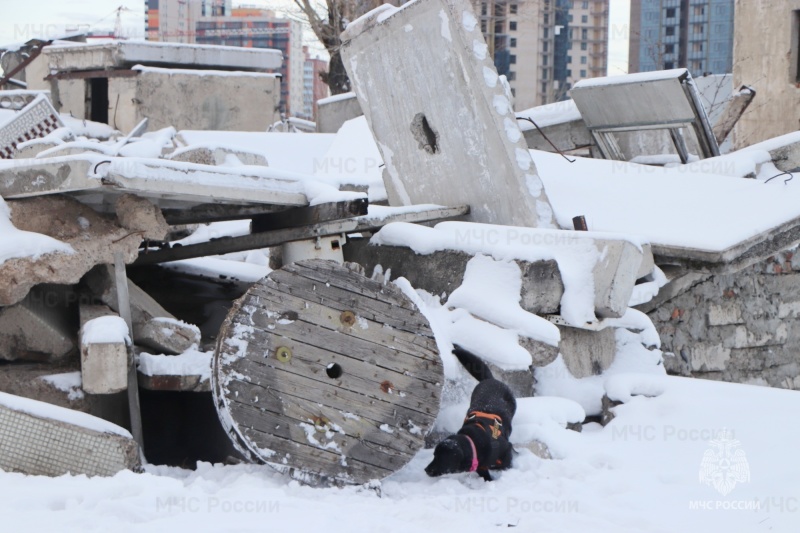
(496, 424)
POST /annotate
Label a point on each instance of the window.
(544, 74)
(511, 75)
(546, 18)
(697, 29)
(585, 4)
(699, 10)
(544, 60)
(544, 46)
(583, 60)
(668, 65)
(569, 59)
(513, 42)
(512, 9)
(483, 9)
(512, 25)
(584, 46)
(584, 19)
(569, 45)
(670, 13)
(583, 73)
(569, 18)
(669, 49)
(669, 31)
(513, 59)
(584, 34)
(546, 33)
(697, 47)
(569, 73)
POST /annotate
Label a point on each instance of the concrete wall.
(192, 100)
(765, 52)
(205, 101)
(334, 111)
(743, 327)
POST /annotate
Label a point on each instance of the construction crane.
(118, 23)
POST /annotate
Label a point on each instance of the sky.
(23, 20)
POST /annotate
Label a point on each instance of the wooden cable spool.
(327, 375)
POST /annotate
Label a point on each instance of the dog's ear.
(448, 458)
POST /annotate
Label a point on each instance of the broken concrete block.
(45, 440)
(335, 110)
(94, 238)
(166, 335)
(153, 326)
(217, 155)
(36, 329)
(442, 272)
(456, 146)
(36, 119)
(142, 216)
(104, 352)
(615, 274)
(586, 352)
(31, 177)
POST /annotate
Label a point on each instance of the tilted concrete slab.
(441, 117)
(45, 440)
(35, 120)
(38, 328)
(153, 326)
(124, 54)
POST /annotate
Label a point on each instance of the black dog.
(482, 442)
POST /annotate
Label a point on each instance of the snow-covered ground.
(641, 473)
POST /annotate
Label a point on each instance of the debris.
(36, 119)
(45, 440)
(104, 352)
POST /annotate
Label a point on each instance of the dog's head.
(449, 457)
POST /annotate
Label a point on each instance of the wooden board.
(327, 375)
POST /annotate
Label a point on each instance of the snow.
(638, 474)
(192, 362)
(575, 252)
(692, 206)
(291, 152)
(216, 267)
(632, 78)
(549, 114)
(105, 330)
(194, 72)
(61, 414)
(445, 27)
(69, 382)
(87, 128)
(15, 244)
(490, 76)
(336, 98)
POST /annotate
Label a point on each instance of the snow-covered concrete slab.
(36, 119)
(121, 54)
(696, 215)
(45, 440)
(441, 117)
(598, 270)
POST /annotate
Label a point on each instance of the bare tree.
(328, 20)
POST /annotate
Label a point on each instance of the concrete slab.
(587, 353)
(456, 146)
(217, 155)
(45, 440)
(124, 54)
(335, 110)
(38, 328)
(93, 238)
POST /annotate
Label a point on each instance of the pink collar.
(474, 466)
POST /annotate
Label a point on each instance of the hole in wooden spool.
(348, 318)
(283, 354)
(334, 371)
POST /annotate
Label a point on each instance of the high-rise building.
(544, 46)
(216, 22)
(313, 87)
(694, 34)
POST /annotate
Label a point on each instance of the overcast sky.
(25, 19)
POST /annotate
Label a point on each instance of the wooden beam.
(266, 239)
(203, 213)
